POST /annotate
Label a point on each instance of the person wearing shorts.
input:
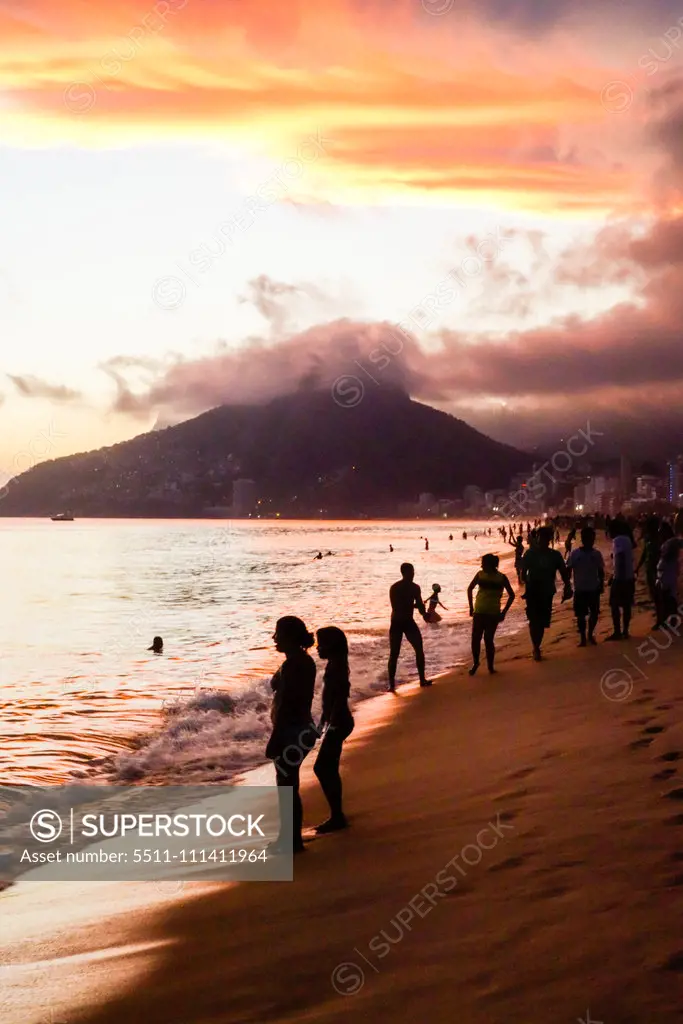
(540, 566)
(587, 566)
(622, 593)
(405, 597)
(485, 611)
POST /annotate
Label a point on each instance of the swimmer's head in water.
(157, 645)
(489, 562)
(408, 571)
(291, 634)
(332, 643)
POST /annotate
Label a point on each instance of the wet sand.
(516, 854)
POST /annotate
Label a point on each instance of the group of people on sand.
(583, 575)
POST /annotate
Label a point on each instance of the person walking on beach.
(336, 723)
(623, 580)
(588, 568)
(518, 545)
(485, 610)
(540, 566)
(405, 597)
(667, 577)
(652, 547)
(293, 734)
(426, 544)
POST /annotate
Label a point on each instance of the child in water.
(432, 614)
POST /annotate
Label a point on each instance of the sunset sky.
(206, 200)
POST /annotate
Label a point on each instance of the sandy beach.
(516, 854)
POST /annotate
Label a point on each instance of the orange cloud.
(409, 105)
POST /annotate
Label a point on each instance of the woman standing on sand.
(486, 613)
(336, 719)
(294, 734)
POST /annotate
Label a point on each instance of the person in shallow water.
(294, 734)
(336, 721)
(157, 645)
(434, 602)
(405, 597)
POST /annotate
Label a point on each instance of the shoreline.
(591, 835)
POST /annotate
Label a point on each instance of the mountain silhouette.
(306, 452)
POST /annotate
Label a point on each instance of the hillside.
(304, 451)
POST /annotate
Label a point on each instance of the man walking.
(405, 597)
(623, 582)
(588, 567)
(540, 566)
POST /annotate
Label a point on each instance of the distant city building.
(625, 477)
(647, 487)
(674, 480)
(474, 498)
(427, 502)
(580, 497)
(243, 498)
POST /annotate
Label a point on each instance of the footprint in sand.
(663, 707)
(676, 820)
(642, 700)
(666, 773)
(552, 893)
(648, 689)
(675, 881)
(511, 862)
(512, 794)
(521, 774)
(675, 794)
(677, 856)
(641, 721)
(653, 730)
(637, 744)
(508, 815)
(673, 755)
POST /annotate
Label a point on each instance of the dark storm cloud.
(532, 16)
(34, 387)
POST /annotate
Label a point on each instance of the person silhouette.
(157, 645)
(485, 610)
(336, 722)
(433, 604)
(405, 597)
(294, 734)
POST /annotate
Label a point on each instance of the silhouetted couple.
(294, 733)
(405, 597)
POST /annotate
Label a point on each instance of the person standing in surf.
(336, 721)
(485, 611)
(294, 734)
(434, 603)
(405, 597)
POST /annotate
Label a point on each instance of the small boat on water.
(63, 517)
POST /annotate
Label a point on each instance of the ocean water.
(81, 696)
